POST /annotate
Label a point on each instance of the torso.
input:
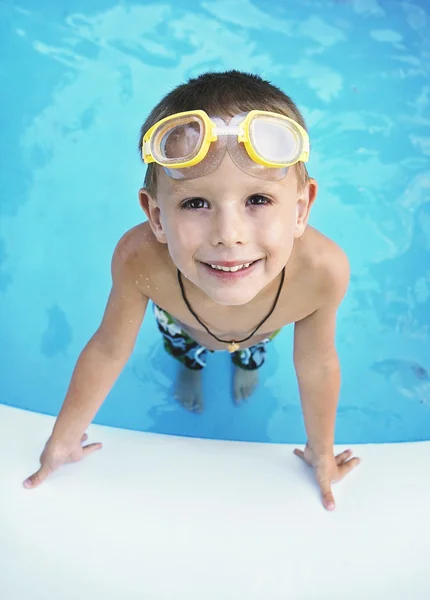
(156, 275)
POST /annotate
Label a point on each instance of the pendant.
(232, 347)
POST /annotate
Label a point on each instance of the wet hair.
(222, 94)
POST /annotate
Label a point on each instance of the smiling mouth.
(231, 269)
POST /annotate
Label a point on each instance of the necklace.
(232, 345)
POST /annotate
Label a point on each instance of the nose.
(229, 227)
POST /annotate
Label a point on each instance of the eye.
(259, 200)
(194, 203)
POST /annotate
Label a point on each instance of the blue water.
(76, 86)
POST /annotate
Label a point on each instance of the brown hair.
(223, 94)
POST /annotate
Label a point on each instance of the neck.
(199, 298)
(233, 345)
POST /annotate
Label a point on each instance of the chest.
(234, 322)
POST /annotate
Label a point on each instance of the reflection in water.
(403, 299)
(58, 334)
(409, 378)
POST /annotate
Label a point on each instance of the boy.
(227, 259)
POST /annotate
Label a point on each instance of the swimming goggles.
(191, 144)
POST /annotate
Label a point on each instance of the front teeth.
(231, 269)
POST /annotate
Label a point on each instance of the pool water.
(77, 85)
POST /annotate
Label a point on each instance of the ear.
(305, 200)
(152, 211)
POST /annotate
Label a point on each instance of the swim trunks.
(191, 354)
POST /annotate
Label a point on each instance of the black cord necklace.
(232, 345)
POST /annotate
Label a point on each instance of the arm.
(316, 361)
(103, 358)
(97, 368)
(318, 373)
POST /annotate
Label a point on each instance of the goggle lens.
(180, 142)
(274, 140)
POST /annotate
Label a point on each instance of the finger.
(37, 478)
(299, 453)
(91, 448)
(326, 493)
(342, 457)
(327, 496)
(84, 437)
(328, 501)
(347, 467)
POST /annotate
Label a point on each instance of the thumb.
(37, 478)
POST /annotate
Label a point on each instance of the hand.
(56, 454)
(328, 469)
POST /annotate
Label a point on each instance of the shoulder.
(329, 266)
(137, 253)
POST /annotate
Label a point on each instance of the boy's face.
(229, 218)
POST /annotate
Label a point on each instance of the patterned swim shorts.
(191, 354)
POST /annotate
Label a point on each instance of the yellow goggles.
(191, 144)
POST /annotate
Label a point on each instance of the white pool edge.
(162, 517)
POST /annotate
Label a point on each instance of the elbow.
(311, 367)
(116, 350)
